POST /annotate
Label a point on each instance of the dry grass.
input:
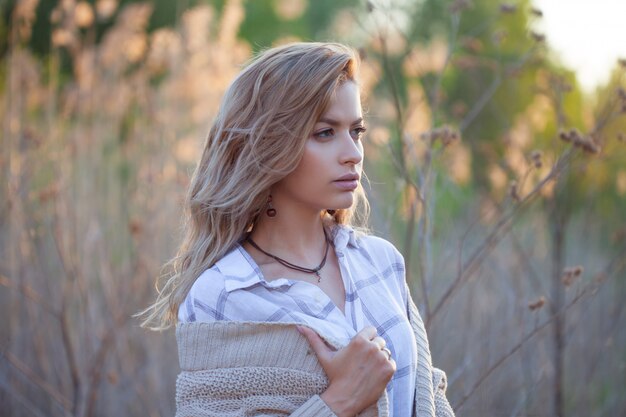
(94, 168)
(94, 171)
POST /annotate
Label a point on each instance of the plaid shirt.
(376, 294)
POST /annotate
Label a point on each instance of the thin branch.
(29, 293)
(57, 396)
(490, 92)
(616, 264)
(26, 403)
(525, 260)
(434, 101)
(472, 264)
(68, 347)
(96, 370)
(482, 102)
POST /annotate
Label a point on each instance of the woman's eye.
(355, 133)
(326, 133)
(358, 132)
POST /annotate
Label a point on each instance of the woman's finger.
(322, 351)
(368, 332)
(379, 341)
(386, 352)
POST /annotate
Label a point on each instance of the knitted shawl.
(269, 369)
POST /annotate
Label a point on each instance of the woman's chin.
(342, 205)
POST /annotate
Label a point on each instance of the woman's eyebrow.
(334, 122)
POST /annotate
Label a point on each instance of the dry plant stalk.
(98, 154)
(418, 175)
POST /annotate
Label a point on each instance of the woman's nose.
(352, 150)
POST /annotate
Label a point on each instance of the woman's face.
(331, 166)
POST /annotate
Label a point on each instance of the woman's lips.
(348, 185)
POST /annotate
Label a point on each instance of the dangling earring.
(271, 211)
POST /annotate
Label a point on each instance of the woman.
(271, 266)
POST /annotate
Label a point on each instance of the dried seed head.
(565, 136)
(590, 147)
(577, 138)
(537, 304)
(586, 143)
(567, 279)
(449, 135)
(622, 62)
(536, 12)
(508, 8)
(446, 133)
(575, 135)
(570, 275)
(621, 93)
(135, 227)
(621, 137)
(536, 159)
(449, 138)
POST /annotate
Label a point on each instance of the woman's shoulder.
(203, 297)
(233, 266)
(209, 281)
(379, 243)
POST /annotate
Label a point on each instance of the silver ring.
(388, 352)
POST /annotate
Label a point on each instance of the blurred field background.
(498, 178)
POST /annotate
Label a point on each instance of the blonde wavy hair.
(257, 139)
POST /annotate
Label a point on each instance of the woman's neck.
(296, 236)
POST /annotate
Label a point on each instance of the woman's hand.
(357, 373)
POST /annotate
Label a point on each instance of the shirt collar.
(241, 271)
(344, 236)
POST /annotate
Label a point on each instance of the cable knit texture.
(268, 369)
(431, 383)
